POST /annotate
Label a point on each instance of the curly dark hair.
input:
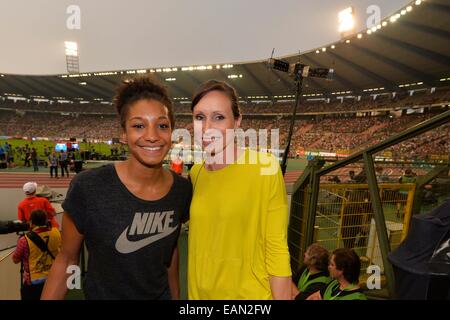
(141, 88)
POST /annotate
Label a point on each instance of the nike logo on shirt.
(155, 224)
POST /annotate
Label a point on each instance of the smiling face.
(212, 116)
(148, 132)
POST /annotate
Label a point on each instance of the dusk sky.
(137, 34)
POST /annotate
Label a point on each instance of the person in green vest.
(344, 268)
(313, 275)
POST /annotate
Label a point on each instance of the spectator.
(177, 165)
(314, 275)
(63, 163)
(335, 179)
(27, 156)
(344, 268)
(408, 177)
(2, 154)
(53, 164)
(32, 202)
(10, 156)
(361, 176)
(356, 215)
(37, 251)
(382, 177)
(351, 174)
(46, 151)
(34, 159)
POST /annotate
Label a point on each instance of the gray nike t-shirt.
(130, 241)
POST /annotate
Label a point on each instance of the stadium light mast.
(298, 71)
(346, 22)
(72, 58)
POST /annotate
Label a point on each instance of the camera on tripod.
(13, 226)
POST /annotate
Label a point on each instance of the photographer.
(37, 251)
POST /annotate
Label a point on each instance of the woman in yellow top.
(239, 211)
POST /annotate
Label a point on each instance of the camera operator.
(37, 251)
(32, 202)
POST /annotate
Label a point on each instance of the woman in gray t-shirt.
(128, 213)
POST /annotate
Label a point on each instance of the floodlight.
(346, 20)
(72, 58)
(71, 48)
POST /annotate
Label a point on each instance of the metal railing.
(306, 207)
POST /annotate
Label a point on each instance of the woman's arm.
(174, 278)
(276, 248)
(281, 288)
(56, 285)
(294, 290)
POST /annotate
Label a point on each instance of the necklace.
(198, 175)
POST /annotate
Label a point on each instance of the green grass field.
(103, 148)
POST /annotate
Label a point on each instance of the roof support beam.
(194, 79)
(266, 90)
(26, 84)
(426, 29)
(94, 87)
(98, 89)
(6, 84)
(414, 73)
(364, 71)
(431, 55)
(289, 85)
(57, 89)
(439, 7)
(107, 85)
(59, 84)
(241, 92)
(172, 85)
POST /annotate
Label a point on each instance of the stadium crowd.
(347, 132)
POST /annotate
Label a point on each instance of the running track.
(17, 180)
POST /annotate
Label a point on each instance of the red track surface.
(17, 180)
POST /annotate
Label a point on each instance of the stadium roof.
(410, 53)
